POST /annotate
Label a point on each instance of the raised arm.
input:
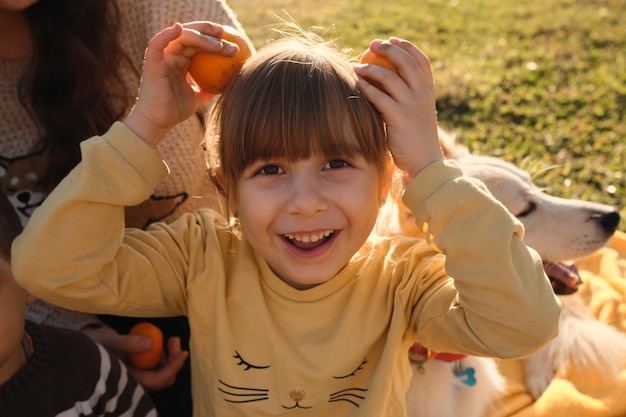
(67, 252)
(500, 303)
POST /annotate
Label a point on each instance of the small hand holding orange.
(406, 101)
(151, 358)
(166, 370)
(165, 374)
(371, 58)
(166, 97)
(211, 72)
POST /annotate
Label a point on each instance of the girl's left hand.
(166, 96)
(407, 103)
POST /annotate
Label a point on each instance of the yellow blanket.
(579, 394)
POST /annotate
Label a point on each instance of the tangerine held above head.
(149, 359)
(211, 72)
(372, 58)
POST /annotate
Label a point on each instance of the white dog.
(451, 388)
(559, 230)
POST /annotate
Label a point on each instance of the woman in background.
(68, 69)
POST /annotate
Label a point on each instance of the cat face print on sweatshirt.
(258, 386)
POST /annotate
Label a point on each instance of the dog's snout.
(23, 197)
(608, 221)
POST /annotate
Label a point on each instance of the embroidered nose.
(297, 395)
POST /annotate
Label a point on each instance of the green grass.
(540, 83)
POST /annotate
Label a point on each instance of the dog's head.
(557, 228)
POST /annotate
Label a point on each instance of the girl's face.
(308, 218)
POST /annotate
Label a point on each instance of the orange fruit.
(152, 358)
(211, 72)
(371, 58)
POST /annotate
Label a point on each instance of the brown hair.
(295, 97)
(73, 87)
(10, 226)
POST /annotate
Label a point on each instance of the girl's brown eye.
(269, 170)
(337, 163)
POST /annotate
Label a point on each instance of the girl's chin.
(303, 282)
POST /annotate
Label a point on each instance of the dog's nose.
(608, 221)
(23, 197)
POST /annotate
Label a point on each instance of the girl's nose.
(307, 196)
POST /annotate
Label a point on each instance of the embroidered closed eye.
(358, 368)
(247, 365)
(352, 395)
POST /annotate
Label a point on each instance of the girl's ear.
(215, 174)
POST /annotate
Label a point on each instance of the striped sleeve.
(115, 393)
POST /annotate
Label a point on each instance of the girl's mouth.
(309, 241)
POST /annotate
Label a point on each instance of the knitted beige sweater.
(22, 161)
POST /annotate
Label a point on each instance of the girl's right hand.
(165, 96)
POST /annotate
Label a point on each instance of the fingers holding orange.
(371, 58)
(149, 359)
(211, 72)
(165, 374)
(422, 59)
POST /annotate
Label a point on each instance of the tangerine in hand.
(149, 359)
(211, 72)
(372, 58)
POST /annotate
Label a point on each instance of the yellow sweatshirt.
(260, 347)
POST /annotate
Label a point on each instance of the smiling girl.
(294, 306)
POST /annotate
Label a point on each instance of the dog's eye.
(531, 207)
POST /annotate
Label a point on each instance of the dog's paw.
(537, 384)
(538, 372)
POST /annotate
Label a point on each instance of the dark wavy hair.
(10, 226)
(73, 87)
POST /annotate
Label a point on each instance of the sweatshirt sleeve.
(74, 250)
(501, 304)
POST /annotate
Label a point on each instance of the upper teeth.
(309, 237)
